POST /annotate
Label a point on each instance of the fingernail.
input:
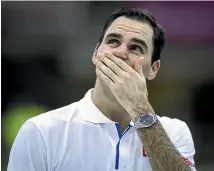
(98, 53)
(142, 59)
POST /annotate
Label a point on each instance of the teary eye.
(136, 48)
(113, 42)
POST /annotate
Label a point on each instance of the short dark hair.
(142, 16)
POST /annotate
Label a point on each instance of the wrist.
(145, 121)
(144, 108)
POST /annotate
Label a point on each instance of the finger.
(111, 64)
(138, 65)
(103, 77)
(119, 62)
(107, 71)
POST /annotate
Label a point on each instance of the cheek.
(146, 71)
(103, 48)
(146, 67)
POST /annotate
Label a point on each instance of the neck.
(109, 106)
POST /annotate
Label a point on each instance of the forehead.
(131, 28)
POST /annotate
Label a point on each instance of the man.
(113, 127)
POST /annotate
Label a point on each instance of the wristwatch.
(145, 121)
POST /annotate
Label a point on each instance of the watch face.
(146, 119)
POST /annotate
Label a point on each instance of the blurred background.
(46, 63)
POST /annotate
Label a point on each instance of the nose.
(121, 52)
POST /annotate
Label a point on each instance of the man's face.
(130, 39)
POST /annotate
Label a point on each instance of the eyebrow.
(116, 35)
(139, 41)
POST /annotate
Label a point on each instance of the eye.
(136, 48)
(113, 42)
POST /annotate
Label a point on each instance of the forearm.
(162, 153)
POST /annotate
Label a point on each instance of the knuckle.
(126, 77)
(99, 55)
(121, 83)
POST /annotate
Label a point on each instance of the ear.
(95, 52)
(154, 70)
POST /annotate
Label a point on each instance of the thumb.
(138, 65)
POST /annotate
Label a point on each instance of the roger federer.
(114, 127)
